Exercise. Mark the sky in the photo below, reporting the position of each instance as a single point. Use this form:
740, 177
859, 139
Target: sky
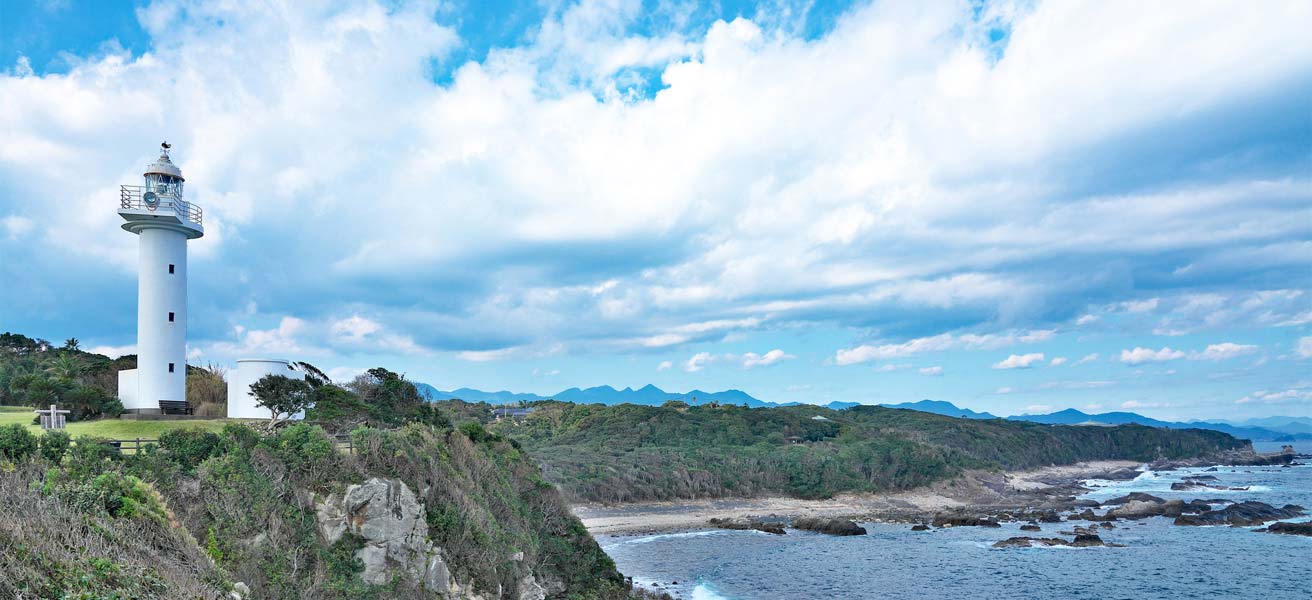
1013, 206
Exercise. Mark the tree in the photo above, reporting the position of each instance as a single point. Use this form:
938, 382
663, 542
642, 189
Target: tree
207, 391
67, 366
72, 344
283, 396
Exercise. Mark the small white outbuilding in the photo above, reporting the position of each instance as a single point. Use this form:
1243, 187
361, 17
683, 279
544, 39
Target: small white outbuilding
241, 403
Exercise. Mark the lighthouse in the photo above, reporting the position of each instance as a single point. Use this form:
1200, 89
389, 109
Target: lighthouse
163, 222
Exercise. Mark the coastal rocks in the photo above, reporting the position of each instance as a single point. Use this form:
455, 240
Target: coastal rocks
829, 526
1133, 497
1243, 514
1089, 515
920, 527
1030, 528
942, 520
1082, 540
744, 524
390, 519
1142, 509
1290, 528
1196, 484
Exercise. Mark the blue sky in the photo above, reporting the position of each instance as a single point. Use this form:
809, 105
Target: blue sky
1014, 206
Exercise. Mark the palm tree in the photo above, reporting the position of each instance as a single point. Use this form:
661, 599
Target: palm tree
72, 344
65, 366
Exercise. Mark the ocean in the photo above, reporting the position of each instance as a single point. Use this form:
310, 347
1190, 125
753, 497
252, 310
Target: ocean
1160, 560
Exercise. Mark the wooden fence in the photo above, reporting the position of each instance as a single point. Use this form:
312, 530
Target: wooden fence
341, 441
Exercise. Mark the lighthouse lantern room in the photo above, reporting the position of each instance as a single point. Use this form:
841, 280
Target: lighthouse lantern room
163, 222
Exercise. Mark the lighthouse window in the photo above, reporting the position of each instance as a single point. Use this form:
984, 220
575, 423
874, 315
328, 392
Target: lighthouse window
170, 367
170, 317
170, 269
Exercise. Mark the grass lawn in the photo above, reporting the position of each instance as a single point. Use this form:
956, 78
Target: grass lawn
112, 428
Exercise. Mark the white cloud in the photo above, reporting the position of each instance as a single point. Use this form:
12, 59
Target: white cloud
1037, 409
1304, 347
1223, 351
1146, 355
355, 327
1004, 390
664, 366
278, 342
697, 362
1058, 361
934, 371
1019, 361
16, 226
1088, 358
939, 343
113, 351
1086, 319
928, 167
1289, 396
891, 367
751, 359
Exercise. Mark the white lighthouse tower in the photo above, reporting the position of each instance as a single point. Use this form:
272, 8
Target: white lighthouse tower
163, 222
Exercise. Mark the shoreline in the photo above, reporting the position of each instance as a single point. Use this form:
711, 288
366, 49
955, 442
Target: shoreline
1046, 488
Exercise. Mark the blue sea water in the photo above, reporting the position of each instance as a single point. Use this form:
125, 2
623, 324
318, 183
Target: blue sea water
1160, 560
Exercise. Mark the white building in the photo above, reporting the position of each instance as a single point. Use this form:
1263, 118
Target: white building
241, 404
163, 222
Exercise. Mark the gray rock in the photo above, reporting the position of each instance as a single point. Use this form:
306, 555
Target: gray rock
390, 519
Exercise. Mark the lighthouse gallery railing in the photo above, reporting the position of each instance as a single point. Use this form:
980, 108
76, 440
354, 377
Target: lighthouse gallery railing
132, 197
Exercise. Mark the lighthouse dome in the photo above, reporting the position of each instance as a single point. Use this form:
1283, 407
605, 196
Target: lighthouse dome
164, 165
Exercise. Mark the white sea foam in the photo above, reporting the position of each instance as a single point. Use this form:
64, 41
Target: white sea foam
704, 592
665, 536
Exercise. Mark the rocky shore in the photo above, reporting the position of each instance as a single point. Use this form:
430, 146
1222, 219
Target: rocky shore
976, 499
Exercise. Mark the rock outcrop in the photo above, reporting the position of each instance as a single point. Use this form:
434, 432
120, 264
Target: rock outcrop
963, 521
389, 518
1290, 528
1082, 540
744, 524
1243, 514
829, 526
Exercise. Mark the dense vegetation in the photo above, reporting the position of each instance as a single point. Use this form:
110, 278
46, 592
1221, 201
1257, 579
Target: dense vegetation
202, 510
35, 373
630, 453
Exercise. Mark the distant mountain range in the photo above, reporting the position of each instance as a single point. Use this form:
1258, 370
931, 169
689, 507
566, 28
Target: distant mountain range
1264, 429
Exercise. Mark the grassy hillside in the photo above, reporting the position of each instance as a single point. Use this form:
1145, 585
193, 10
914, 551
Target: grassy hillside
112, 428
204, 510
632, 453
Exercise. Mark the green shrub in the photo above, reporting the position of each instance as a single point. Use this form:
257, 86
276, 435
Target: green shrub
111, 493
190, 447
16, 442
307, 451
91, 456
475, 432
54, 444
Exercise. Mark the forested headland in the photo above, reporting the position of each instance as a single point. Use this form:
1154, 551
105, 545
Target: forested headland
631, 453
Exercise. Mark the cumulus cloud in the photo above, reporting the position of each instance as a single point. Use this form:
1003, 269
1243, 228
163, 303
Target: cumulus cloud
1147, 355
1289, 396
1088, 358
934, 371
752, 359
1058, 361
664, 366
113, 351
1224, 351
1304, 347
1019, 361
938, 343
697, 362
522, 201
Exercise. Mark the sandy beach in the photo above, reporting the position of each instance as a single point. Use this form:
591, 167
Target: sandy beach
1047, 487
